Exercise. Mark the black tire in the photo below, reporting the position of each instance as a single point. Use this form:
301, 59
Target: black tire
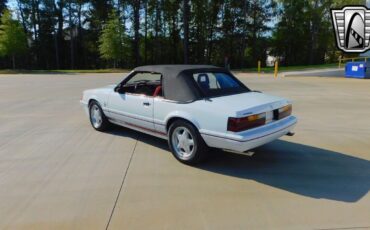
99, 126
199, 151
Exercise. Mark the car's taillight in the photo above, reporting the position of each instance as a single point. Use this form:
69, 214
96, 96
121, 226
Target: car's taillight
284, 111
244, 123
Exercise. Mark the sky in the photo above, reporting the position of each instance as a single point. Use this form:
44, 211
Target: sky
11, 4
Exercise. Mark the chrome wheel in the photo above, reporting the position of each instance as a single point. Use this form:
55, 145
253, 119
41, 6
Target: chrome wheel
96, 116
183, 143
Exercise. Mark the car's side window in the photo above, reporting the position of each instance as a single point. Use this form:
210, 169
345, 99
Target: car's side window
144, 83
214, 81
150, 77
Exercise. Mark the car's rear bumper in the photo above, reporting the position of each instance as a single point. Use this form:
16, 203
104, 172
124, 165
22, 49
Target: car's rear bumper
241, 142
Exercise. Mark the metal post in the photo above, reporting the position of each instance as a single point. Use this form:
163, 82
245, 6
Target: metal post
259, 67
276, 68
340, 61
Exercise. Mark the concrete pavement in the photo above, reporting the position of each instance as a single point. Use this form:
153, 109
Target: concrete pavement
56, 172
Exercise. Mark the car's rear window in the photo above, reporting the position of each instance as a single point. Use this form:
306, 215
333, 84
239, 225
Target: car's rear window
218, 84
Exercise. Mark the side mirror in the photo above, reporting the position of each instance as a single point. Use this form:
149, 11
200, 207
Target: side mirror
118, 89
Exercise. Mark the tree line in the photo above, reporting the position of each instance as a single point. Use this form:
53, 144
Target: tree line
91, 34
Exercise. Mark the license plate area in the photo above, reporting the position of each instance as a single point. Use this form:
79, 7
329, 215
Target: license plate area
269, 116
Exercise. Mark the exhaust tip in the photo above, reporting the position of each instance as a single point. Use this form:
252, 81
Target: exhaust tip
290, 134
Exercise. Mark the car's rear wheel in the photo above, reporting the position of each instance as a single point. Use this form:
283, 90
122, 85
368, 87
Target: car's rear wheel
97, 118
186, 144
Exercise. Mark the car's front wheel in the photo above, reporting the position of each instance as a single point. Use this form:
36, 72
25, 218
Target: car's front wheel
185, 143
97, 118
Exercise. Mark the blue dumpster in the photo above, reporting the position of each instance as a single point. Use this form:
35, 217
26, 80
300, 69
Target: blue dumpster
357, 70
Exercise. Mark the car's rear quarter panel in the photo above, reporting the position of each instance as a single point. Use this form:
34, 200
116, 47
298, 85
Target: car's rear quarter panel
199, 113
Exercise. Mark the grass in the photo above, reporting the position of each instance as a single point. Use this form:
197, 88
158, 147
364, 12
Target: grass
74, 71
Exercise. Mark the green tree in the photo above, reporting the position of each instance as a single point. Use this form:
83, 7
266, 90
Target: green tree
304, 32
13, 40
65, 33
291, 35
136, 6
259, 14
2, 6
96, 16
186, 16
171, 16
112, 42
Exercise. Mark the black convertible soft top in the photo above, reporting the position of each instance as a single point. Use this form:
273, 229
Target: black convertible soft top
177, 80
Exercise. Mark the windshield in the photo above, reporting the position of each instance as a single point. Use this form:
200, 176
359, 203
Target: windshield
218, 84
144, 77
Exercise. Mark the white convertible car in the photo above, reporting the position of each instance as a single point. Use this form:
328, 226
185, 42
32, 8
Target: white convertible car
194, 107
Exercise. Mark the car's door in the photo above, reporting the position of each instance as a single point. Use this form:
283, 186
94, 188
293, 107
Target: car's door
132, 108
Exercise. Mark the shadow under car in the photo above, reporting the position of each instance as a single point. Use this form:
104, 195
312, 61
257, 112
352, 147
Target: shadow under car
296, 168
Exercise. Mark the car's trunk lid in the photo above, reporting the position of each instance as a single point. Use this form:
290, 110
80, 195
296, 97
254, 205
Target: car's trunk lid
244, 104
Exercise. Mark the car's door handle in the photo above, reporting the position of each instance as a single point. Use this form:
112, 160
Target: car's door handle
146, 103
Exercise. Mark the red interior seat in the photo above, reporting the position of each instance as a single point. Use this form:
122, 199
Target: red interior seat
158, 91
